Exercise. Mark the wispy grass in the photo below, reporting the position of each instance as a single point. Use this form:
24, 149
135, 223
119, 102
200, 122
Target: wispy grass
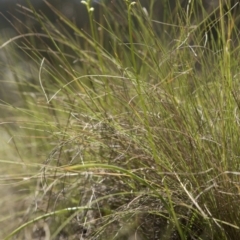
122, 134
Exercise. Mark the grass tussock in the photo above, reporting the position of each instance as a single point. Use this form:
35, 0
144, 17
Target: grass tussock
121, 134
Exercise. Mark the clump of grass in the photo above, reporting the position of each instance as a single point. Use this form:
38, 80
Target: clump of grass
125, 137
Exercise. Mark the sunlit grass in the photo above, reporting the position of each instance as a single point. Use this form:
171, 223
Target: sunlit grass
121, 134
